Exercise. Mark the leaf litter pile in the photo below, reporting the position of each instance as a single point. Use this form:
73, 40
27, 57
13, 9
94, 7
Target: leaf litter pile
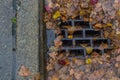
103, 15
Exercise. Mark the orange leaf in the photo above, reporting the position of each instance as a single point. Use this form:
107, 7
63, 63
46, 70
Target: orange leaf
24, 71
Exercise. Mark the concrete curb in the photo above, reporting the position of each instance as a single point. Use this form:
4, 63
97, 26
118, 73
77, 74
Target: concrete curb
27, 36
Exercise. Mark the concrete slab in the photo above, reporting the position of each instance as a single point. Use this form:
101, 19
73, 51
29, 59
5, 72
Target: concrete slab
6, 13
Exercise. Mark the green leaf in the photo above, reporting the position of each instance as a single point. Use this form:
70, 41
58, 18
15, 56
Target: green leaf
14, 20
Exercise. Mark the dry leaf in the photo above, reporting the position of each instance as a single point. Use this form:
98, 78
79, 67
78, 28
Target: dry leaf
106, 34
56, 15
24, 71
79, 62
93, 2
53, 49
71, 72
71, 30
109, 24
70, 36
117, 51
103, 46
118, 12
49, 25
84, 45
118, 58
89, 50
58, 42
54, 77
78, 75
57, 31
37, 76
88, 61
53, 55
97, 75
49, 67
98, 26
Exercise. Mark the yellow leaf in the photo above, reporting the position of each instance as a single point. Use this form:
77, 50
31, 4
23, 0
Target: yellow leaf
88, 61
118, 12
82, 12
70, 36
56, 15
89, 50
74, 59
83, 45
109, 24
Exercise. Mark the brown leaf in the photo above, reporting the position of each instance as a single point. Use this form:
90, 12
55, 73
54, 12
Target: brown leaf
37, 76
71, 72
106, 34
24, 71
54, 77
53, 55
103, 46
58, 42
118, 58
98, 26
71, 30
96, 75
49, 67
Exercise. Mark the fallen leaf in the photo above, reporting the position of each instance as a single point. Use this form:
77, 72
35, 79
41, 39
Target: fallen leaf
71, 30
97, 75
56, 15
89, 50
103, 46
37, 76
49, 67
54, 77
106, 34
78, 75
70, 36
98, 26
84, 45
58, 42
109, 24
53, 49
88, 61
24, 71
79, 62
118, 12
118, 58
53, 55
71, 72
93, 2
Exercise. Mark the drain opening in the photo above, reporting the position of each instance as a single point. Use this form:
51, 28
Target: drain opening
93, 33
82, 24
78, 34
81, 43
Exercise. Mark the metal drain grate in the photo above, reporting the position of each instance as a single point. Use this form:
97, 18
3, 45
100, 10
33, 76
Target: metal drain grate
84, 34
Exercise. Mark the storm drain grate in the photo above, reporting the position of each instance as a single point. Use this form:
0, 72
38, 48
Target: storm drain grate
83, 35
